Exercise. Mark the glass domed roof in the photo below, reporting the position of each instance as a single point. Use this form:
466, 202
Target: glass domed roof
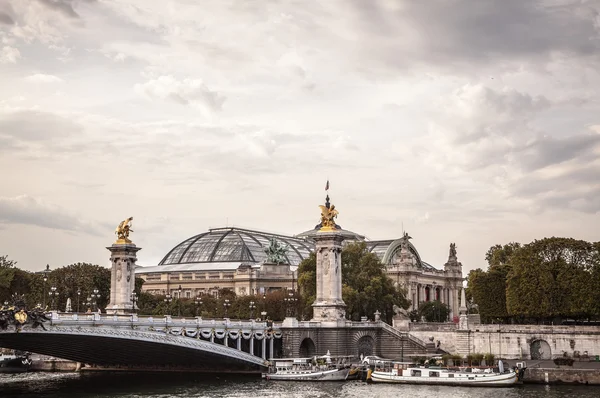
235, 244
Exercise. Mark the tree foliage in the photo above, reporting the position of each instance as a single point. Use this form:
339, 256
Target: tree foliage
366, 288
434, 311
546, 280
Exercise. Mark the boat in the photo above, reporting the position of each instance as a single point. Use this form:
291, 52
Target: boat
403, 373
14, 363
317, 368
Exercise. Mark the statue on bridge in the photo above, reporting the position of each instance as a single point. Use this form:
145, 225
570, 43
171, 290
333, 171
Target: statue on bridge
123, 230
328, 215
17, 316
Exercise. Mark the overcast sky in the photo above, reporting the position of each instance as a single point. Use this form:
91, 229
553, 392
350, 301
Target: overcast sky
475, 122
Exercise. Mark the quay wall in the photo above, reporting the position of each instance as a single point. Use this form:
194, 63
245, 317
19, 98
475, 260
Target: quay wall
54, 365
513, 341
562, 376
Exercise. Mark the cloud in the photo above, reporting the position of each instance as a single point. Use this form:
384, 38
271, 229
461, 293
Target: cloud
6, 19
64, 7
191, 92
27, 210
9, 55
34, 125
43, 78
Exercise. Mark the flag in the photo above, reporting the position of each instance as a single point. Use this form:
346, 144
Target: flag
327, 186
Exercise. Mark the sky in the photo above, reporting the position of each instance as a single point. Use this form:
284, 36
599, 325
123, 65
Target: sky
453, 120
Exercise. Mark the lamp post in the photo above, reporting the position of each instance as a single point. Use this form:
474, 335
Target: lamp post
53, 293
88, 303
290, 302
168, 298
46, 271
226, 304
198, 302
95, 297
133, 300
263, 315
78, 297
179, 290
252, 307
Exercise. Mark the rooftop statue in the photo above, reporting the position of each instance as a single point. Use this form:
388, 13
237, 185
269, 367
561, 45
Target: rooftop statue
452, 250
123, 231
276, 252
328, 215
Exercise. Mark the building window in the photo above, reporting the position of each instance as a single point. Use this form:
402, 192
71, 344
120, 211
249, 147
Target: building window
188, 294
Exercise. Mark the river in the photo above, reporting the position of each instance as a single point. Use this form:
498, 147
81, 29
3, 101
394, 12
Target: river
123, 385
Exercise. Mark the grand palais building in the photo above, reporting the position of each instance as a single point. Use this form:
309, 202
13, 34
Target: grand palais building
236, 259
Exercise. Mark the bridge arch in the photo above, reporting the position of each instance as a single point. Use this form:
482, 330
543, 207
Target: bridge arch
307, 348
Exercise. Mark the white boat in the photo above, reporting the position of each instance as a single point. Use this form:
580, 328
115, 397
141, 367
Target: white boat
413, 374
318, 368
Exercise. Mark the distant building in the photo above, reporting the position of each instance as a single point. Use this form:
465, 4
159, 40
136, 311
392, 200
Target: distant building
236, 259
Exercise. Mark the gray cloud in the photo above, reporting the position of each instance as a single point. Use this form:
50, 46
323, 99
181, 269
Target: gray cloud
27, 210
476, 32
552, 151
33, 125
64, 7
6, 19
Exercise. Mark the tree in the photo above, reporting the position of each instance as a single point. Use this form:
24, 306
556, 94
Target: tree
366, 288
434, 311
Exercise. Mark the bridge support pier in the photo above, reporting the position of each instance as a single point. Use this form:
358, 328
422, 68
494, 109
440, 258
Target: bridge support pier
122, 277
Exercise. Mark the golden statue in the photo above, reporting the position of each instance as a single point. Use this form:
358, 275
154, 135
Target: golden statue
328, 214
21, 317
123, 231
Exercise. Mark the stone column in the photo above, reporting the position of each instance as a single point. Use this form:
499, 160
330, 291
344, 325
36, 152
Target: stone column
329, 305
122, 277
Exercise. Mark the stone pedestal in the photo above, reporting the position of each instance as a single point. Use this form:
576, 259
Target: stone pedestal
122, 277
329, 305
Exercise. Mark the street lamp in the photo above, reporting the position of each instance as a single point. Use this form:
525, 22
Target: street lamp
198, 302
168, 298
78, 296
88, 303
226, 304
290, 304
133, 300
252, 307
95, 297
263, 315
46, 271
53, 293
179, 301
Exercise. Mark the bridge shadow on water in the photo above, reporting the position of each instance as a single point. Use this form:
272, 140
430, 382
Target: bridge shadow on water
122, 384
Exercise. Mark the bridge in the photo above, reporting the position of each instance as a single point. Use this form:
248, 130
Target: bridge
150, 343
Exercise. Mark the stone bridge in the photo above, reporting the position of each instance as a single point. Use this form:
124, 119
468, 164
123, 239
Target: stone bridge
135, 342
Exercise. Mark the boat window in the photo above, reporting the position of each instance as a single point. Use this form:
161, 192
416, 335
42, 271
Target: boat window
434, 374
451, 375
416, 373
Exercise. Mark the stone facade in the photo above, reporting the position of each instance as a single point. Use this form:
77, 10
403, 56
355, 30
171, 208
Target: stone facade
122, 278
329, 305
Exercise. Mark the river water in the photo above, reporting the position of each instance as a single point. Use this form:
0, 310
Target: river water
124, 385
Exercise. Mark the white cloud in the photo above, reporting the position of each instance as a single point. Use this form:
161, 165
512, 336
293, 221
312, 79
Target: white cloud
184, 92
9, 54
43, 78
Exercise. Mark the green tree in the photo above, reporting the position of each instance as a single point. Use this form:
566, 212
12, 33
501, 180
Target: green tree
552, 278
7, 273
366, 288
434, 311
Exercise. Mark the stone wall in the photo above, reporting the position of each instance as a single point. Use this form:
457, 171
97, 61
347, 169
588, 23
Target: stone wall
512, 341
562, 375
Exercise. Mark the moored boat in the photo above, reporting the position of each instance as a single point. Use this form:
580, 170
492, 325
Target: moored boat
412, 374
318, 368
14, 363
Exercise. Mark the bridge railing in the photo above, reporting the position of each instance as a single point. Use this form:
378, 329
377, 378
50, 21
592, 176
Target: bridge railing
97, 319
